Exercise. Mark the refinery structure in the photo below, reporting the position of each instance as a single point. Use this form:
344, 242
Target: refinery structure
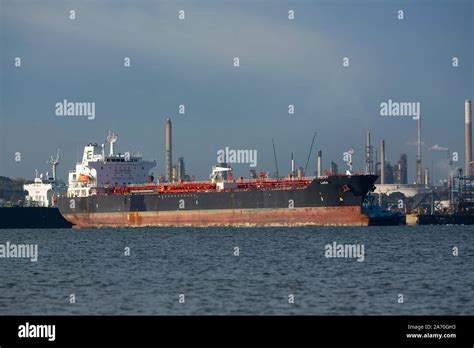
424, 198
452, 195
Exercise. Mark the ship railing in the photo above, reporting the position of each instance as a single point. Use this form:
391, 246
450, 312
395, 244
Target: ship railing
237, 180
205, 186
145, 184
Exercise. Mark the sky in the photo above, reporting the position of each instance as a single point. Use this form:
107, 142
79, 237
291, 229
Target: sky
190, 62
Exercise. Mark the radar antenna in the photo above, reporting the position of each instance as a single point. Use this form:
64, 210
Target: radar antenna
111, 139
54, 163
350, 152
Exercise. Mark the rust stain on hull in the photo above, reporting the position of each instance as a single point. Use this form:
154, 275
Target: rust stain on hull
320, 216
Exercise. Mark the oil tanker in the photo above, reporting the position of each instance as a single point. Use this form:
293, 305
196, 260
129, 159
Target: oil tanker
115, 190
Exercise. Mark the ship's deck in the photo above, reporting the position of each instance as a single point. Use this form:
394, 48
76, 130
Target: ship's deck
212, 187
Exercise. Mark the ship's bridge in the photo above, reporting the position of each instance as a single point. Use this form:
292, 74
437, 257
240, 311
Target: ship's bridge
97, 170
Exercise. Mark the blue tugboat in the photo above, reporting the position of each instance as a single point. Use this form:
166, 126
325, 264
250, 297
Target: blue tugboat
380, 217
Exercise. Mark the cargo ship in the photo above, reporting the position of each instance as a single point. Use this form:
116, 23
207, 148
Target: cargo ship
115, 190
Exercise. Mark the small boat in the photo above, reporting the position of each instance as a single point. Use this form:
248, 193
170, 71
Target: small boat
381, 217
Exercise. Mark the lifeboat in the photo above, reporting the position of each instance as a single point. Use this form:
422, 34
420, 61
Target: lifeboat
84, 178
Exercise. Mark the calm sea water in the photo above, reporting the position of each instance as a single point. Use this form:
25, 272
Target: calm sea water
416, 262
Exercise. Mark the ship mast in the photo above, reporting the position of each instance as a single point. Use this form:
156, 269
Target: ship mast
54, 163
309, 155
275, 156
350, 152
111, 139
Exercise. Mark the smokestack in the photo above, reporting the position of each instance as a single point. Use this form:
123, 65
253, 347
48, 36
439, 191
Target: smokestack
368, 156
467, 110
320, 159
382, 162
168, 151
292, 165
419, 170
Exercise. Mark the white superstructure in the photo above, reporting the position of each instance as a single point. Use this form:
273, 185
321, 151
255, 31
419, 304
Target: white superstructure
43, 188
38, 193
96, 170
223, 178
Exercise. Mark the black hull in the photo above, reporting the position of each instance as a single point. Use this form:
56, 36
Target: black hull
328, 192
446, 219
343, 194
32, 217
393, 220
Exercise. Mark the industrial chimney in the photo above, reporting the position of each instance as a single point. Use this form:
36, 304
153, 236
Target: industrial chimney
292, 166
382, 162
369, 167
320, 158
467, 110
419, 169
168, 151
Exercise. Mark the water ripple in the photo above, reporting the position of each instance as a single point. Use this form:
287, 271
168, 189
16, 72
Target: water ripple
416, 262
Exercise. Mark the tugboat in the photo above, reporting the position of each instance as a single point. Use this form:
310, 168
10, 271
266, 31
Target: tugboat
37, 211
380, 217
